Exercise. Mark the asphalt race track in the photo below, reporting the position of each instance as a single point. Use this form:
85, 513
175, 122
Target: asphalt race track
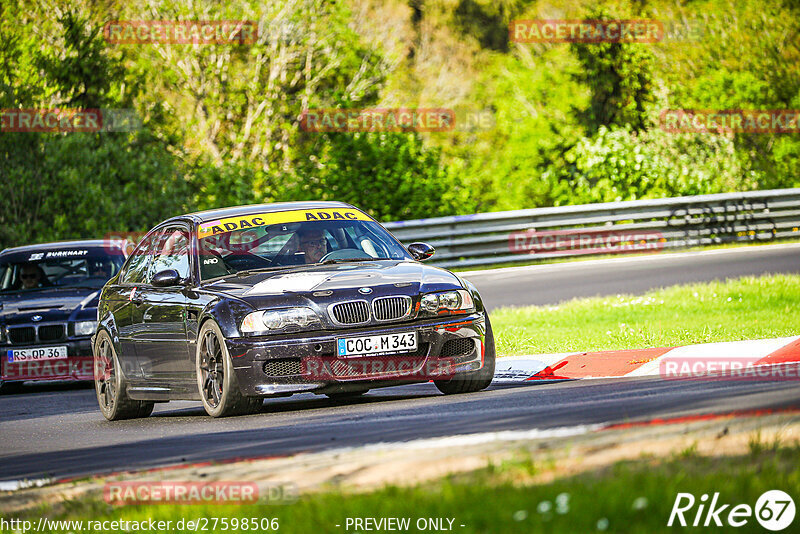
552, 283
57, 430
62, 434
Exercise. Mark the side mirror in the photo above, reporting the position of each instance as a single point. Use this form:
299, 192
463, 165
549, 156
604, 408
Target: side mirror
166, 278
420, 251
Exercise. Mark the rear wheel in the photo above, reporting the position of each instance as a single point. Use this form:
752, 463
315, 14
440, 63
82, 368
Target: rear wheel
111, 386
216, 379
474, 380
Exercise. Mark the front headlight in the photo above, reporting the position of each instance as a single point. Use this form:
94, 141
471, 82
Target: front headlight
266, 321
459, 301
85, 328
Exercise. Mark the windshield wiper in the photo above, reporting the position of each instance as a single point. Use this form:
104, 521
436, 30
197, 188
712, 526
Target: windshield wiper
350, 260
248, 272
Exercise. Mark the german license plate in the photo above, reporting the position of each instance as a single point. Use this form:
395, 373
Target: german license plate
37, 354
380, 344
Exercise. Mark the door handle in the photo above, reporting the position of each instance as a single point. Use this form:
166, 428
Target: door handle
136, 297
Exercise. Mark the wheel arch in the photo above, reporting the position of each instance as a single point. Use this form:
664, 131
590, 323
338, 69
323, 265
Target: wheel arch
476, 296
109, 326
226, 313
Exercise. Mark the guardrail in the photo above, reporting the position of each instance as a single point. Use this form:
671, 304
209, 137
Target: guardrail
607, 228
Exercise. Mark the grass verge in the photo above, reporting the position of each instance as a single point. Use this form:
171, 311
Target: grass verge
630, 496
744, 308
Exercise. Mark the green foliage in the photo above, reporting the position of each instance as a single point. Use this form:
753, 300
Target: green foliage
617, 164
75, 185
530, 98
746, 56
393, 175
569, 123
86, 186
486, 21
620, 77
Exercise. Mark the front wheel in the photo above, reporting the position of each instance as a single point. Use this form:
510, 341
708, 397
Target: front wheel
216, 379
111, 386
475, 380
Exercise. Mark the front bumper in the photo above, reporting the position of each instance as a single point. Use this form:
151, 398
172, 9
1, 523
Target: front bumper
78, 365
272, 365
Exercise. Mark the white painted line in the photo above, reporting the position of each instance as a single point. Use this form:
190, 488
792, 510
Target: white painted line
14, 485
475, 439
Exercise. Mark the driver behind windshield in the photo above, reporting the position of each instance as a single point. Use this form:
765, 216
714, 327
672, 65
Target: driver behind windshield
312, 244
31, 276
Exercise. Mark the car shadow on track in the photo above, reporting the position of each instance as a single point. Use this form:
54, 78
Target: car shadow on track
286, 405
17, 388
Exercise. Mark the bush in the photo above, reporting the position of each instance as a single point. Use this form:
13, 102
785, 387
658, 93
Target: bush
391, 175
617, 164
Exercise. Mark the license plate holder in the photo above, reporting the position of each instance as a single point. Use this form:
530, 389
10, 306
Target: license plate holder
376, 344
36, 354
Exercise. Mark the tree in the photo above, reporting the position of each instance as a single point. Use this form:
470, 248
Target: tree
74, 185
620, 77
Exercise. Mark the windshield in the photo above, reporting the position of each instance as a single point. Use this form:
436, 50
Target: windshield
58, 268
301, 237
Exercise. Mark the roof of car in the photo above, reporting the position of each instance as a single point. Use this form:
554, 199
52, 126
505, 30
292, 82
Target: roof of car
211, 215
85, 243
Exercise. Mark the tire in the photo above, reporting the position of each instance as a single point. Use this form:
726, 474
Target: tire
216, 379
110, 384
475, 380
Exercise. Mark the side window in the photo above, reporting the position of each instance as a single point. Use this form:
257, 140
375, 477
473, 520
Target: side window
172, 251
137, 271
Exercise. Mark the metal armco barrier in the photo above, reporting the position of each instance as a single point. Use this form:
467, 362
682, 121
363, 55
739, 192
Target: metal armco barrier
607, 228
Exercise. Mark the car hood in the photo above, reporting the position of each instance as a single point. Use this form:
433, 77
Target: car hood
55, 304
405, 277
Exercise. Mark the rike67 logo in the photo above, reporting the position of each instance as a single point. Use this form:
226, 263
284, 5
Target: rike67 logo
774, 510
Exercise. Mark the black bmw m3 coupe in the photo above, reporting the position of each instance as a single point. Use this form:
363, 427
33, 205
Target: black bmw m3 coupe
234, 305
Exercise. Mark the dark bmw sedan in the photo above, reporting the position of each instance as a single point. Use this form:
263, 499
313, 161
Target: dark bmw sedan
234, 305
48, 308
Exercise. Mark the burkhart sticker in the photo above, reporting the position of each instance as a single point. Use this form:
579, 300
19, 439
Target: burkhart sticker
232, 224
